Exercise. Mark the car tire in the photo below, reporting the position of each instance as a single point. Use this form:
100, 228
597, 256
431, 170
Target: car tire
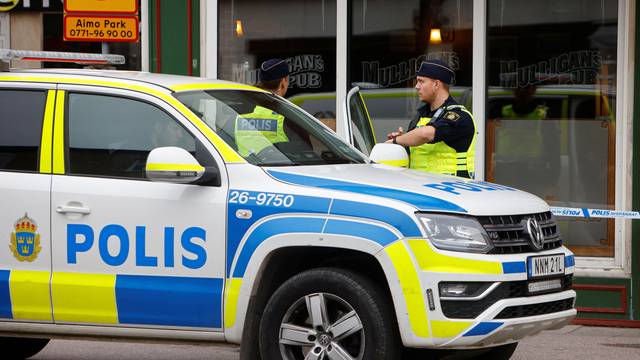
349, 313
502, 352
21, 348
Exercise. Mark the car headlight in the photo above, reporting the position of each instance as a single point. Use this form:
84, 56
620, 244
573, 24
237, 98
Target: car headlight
455, 233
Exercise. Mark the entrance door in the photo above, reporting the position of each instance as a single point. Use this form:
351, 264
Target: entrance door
128, 251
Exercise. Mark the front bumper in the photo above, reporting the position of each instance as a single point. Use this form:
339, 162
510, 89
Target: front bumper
495, 318
488, 330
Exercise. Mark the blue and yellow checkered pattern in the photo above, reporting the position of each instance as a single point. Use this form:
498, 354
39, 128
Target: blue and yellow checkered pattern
111, 299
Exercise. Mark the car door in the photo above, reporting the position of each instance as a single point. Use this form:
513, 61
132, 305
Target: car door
26, 119
128, 251
359, 128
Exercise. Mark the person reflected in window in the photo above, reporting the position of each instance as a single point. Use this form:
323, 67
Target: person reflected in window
523, 142
441, 136
527, 148
264, 127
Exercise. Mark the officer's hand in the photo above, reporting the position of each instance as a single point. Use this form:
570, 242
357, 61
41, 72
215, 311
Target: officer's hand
394, 134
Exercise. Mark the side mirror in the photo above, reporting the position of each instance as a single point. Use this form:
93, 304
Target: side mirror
390, 154
174, 165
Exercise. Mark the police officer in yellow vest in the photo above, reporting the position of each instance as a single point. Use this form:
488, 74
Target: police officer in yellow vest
524, 141
441, 136
263, 127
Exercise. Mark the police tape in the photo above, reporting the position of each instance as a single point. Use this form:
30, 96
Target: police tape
594, 213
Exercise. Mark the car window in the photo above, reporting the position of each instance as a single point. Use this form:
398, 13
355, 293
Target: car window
267, 130
112, 136
21, 114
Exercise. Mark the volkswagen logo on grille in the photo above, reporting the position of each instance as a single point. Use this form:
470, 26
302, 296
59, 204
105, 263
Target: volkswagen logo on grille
535, 233
324, 340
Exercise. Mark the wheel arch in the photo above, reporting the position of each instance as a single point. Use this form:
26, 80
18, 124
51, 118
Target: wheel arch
280, 264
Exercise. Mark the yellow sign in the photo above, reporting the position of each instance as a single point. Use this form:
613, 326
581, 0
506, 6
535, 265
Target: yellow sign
100, 28
102, 6
6, 5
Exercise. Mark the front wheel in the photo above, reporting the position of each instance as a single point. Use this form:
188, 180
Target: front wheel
21, 348
328, 314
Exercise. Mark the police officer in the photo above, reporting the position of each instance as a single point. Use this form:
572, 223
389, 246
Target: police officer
524, 141
274, 76
441, 136
263, 127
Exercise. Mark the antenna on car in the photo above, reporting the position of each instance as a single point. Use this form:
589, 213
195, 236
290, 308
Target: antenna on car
57, 56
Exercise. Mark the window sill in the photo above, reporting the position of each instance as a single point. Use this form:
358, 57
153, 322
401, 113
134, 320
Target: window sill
599, 268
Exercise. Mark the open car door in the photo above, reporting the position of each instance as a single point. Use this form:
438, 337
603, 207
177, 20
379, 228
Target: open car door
359, 128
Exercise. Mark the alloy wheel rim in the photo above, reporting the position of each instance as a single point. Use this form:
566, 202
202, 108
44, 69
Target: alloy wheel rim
321, 326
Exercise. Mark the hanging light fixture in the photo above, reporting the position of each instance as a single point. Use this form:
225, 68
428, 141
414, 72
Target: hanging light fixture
435, 36
239, 29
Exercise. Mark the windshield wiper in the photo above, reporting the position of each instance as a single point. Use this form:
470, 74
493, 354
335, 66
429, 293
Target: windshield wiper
282, 164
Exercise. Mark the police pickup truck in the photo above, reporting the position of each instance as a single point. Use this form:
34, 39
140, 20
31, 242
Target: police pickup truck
129, 213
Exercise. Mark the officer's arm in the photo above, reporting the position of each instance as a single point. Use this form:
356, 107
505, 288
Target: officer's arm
416, 137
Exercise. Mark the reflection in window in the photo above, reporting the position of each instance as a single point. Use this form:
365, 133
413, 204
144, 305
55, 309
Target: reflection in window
550, 128
387, 50
303, 32
112, 136
21, 124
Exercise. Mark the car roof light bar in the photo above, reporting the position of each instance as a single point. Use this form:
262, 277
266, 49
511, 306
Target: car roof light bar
56, 56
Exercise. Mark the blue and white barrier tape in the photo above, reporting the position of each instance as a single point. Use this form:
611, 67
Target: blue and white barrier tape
594, 213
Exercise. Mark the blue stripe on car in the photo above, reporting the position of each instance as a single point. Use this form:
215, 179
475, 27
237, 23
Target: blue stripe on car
514, 267
5, 296
401, 221
238, 227
483, 328
422, 202
372, 232
270, 228
569, 261
277, 226
166, 300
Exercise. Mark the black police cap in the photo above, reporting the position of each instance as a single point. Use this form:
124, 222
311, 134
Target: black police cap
436, 69
273, 69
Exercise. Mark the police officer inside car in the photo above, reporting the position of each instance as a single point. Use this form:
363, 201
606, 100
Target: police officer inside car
274, 76
263, 127
441, 136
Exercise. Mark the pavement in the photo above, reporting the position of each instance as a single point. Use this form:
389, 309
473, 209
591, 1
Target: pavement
573, 342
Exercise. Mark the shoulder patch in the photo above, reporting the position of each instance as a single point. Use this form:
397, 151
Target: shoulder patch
452, 116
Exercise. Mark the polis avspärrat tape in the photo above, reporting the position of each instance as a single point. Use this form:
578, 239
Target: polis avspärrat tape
594, 213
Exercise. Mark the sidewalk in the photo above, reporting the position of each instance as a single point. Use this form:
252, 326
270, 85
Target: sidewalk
581, 343
573, 342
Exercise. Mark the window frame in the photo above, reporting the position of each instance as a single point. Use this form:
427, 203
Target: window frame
214, 156
618, 266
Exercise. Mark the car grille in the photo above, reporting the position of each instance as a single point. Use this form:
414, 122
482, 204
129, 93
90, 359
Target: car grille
536, 309
465, 309
508, 236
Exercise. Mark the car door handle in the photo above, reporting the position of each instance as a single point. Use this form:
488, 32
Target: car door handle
66, 209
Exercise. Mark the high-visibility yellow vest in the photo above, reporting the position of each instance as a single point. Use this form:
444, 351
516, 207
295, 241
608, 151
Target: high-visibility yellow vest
522, 140
441, 158
258, 130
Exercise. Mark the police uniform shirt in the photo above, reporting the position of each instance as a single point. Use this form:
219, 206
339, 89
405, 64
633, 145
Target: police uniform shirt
454, 127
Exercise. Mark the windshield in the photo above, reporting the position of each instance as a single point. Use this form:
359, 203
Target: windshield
267, 130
